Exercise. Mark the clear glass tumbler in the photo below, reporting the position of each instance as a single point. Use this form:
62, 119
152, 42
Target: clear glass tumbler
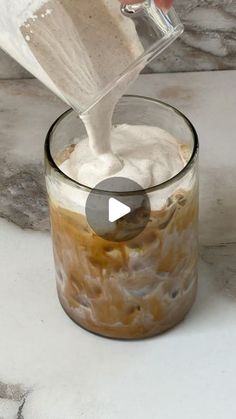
137, 288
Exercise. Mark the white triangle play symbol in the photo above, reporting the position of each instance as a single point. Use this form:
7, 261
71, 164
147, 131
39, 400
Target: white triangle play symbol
117, 210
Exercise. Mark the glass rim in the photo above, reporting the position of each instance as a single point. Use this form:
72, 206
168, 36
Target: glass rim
149, 190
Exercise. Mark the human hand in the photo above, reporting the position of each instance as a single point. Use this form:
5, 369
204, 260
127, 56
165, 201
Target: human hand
163, 4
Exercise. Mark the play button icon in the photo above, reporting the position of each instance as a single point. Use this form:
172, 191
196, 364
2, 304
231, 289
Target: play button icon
118, 209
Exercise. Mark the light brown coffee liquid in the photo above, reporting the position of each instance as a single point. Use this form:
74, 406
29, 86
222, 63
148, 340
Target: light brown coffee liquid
133, 289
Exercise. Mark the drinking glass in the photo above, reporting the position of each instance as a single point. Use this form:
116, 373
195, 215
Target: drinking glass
143, 286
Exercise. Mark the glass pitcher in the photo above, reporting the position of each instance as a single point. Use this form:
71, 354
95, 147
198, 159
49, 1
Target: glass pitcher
82, 49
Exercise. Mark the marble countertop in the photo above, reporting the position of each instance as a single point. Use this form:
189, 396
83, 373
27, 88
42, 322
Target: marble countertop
52, 369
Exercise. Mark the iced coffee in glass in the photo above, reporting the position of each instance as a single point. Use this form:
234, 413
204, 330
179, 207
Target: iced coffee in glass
145, 284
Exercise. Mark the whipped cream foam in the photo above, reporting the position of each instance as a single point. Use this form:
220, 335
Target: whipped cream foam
148, 155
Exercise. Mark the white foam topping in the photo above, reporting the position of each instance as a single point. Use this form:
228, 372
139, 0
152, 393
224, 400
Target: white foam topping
147, 155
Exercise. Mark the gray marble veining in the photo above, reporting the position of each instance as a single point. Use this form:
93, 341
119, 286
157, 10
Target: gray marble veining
23, 198
209, 41
14, 398
26, 112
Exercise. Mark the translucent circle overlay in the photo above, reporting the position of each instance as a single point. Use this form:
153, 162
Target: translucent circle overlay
98, 209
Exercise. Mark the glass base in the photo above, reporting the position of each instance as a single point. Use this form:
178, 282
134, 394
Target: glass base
173, 318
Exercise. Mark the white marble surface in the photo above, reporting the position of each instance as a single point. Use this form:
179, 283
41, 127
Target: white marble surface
52, 369
209, 40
